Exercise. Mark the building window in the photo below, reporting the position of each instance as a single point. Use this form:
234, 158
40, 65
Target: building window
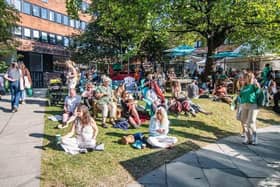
83, 25
18, 31
66, 42
8, 2
84, 6
65, 20
35, 11
72, 23
59, 40
51, 15
44, 37
26, 8
44, 13
26, 33
17, 4
52, 39
77, 24
58, 18
36, 34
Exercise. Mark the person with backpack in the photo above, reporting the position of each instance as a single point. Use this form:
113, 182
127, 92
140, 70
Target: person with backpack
249, 108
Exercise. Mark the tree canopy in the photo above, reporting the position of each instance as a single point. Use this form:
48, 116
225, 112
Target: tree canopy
8, 19
213, 21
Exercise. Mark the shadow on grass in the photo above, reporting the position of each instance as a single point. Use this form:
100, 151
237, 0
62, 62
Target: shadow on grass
269, 121
139, 166
219, 133
52, 141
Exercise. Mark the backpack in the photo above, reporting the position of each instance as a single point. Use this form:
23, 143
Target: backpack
122, 124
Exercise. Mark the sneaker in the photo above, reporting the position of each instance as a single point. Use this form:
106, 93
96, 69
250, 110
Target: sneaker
104, 125
14, 110
23, 102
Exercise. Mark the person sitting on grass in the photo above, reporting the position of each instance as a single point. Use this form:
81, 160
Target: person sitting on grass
85, 129
70, 104
158, 130
129, 110
220, 93
152, 96
88, 95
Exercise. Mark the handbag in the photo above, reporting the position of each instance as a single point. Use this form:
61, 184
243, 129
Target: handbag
26, 82
29, 92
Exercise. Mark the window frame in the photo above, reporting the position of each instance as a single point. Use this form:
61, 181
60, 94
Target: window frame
47, 13
39, 10
20, 28
49, 17
25, 36
23, 8
52, 40
41, 37
56, 18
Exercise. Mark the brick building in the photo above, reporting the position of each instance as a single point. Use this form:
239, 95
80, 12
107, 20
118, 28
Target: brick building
44, 32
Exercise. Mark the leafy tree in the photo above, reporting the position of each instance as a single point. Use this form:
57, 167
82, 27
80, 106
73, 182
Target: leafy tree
217, 20
8, 20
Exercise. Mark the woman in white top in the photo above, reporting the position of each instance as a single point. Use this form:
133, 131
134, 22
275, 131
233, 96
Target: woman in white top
85, 129
158, 130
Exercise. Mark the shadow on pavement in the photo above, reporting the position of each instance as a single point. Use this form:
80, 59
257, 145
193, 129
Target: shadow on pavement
51, 139
36, 102
226, 163
5, 110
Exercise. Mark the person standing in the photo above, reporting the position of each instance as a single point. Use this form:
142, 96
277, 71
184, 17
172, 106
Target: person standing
249, 108
72, 75
25, 81
13, 76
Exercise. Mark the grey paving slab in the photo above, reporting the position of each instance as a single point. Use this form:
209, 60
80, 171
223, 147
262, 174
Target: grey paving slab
180, 174
265, 182
190, 158
30, 180
226, 177
155, 177
211, 159
20, 160
226, 163
254, 167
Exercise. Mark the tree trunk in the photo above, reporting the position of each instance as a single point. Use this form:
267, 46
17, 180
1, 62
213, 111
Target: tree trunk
209, 61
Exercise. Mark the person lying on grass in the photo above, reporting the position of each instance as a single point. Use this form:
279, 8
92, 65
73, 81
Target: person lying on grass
85, 129
158, 130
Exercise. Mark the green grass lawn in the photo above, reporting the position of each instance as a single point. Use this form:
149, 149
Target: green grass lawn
121, 164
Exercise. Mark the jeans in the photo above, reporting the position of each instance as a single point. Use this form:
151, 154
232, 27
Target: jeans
22, 95
15, 94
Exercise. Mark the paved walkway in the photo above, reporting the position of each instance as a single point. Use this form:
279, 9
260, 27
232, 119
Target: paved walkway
225, 163
20, 133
